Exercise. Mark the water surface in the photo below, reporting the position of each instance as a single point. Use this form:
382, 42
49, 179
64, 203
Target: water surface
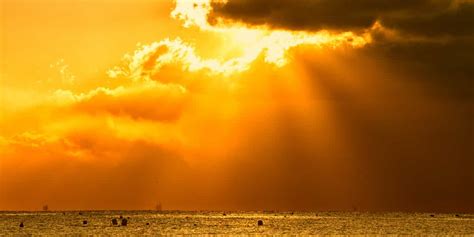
238, 223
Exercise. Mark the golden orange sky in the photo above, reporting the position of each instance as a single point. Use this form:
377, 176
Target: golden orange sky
120, 104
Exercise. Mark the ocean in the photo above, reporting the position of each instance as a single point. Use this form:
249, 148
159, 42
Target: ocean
234, 223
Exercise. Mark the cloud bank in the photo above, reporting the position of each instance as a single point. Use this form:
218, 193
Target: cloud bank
432, 18
328, 105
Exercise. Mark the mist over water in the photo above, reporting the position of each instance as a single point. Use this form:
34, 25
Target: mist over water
234, 223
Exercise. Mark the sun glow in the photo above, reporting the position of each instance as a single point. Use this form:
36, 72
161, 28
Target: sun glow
258, 40
273, 44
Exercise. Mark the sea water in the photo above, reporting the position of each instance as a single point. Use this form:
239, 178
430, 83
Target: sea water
234, 223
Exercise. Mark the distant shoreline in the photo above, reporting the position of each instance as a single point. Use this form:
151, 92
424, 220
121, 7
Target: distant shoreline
234, 211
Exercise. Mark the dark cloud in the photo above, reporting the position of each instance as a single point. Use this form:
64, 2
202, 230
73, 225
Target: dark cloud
456, 21
425, 17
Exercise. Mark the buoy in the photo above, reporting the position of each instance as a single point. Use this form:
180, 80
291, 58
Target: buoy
259, 222
147, 223
114, 222
21, 225
121, 217
84, 222
432, 215
124, 222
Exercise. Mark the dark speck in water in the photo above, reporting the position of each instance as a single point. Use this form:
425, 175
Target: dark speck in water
124, 222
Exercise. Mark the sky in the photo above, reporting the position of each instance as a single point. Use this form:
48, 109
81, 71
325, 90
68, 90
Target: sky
307, 105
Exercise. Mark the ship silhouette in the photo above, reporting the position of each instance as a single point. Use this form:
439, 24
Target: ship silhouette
158, 207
